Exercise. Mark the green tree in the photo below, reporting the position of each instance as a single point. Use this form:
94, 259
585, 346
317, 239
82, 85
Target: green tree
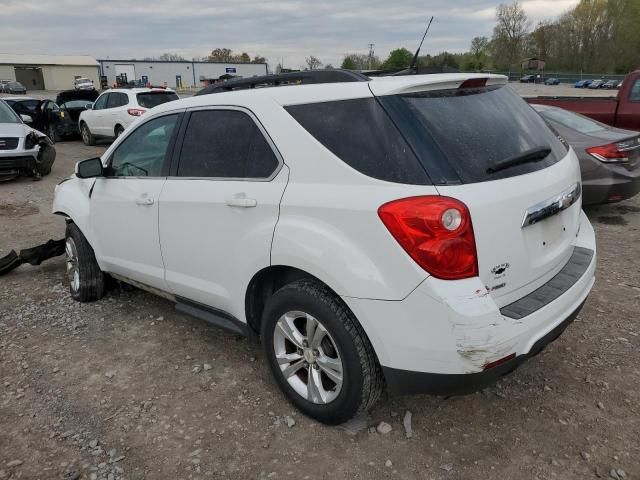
398, 59
509, 34
348, 63
359, 61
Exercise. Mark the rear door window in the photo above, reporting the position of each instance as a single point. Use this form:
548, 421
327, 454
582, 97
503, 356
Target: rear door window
153, 99
362, 135
225, 144
473, 130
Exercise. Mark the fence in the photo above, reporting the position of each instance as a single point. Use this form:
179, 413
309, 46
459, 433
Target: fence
569, 78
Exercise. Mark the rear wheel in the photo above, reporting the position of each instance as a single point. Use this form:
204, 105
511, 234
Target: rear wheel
86, 280
319, 353
87, 137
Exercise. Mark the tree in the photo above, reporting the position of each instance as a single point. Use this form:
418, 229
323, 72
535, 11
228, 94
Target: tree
509, 34
221, 55
259, 59
313, 63
398, 59
243, 58
358, 61
479, 46
171, 57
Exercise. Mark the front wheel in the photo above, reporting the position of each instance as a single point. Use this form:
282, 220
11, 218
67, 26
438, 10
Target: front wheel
87, 137
319, 353
85, 279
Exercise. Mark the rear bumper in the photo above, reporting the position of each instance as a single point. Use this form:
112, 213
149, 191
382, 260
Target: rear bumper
610, 190
441, 337
408, 382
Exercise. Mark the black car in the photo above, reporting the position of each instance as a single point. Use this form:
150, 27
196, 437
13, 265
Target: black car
60, 119
57, 119
528, 79
609, 157
13, 88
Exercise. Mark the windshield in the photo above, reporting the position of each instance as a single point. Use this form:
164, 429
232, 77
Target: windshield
153, 99
572, 120
30, 105
473, 130
7, 115
75, 104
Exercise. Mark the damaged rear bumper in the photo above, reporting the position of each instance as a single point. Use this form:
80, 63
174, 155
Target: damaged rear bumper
408, 382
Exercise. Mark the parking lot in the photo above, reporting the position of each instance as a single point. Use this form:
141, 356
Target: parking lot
128, 388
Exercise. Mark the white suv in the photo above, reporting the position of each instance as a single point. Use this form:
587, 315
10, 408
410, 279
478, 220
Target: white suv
420, 232
116, 109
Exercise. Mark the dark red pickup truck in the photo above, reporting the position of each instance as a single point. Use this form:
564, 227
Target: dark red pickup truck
622, 111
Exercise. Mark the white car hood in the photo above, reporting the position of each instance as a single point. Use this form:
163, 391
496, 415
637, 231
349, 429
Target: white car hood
14, 130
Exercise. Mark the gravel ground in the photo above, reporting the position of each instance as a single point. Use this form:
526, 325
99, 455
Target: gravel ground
128, 388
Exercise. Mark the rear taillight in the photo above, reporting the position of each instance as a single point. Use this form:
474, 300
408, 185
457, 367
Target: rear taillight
136, 112
436, 232
615, 152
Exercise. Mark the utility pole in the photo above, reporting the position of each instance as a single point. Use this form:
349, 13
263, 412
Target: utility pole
371, 45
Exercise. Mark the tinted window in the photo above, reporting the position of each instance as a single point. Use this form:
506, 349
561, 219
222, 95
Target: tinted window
143, 152
225, 144
117, 99
153, 99
28, 106
101, 101
361, 134
475, 129
635, 92
571, 120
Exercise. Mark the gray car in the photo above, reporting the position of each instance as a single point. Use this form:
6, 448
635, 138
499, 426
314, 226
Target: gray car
13, 88
609, 156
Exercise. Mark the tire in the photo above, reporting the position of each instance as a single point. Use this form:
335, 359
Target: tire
118, 130
86, 280
344, 344
52, 133
87, 137
46, 157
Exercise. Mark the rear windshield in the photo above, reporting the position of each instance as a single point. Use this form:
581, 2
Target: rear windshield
473, 130
153, 99
571, 120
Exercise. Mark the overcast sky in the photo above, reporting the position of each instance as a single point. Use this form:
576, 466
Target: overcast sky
289, 30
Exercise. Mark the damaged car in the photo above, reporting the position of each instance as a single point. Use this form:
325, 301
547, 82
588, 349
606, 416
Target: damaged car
419, 233
23, 150
60, 119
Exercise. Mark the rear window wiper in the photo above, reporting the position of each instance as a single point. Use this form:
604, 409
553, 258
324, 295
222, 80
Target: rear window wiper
534, 155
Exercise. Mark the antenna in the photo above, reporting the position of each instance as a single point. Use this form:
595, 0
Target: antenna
412, 67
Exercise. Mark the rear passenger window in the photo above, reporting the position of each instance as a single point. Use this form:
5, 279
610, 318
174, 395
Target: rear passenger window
225, 144
360, 133
117, 99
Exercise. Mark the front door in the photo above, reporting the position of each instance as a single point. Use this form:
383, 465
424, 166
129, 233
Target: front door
219, 208
124, 203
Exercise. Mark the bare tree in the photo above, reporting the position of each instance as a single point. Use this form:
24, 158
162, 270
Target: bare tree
479, 47
313, 63
171, 57
510, 33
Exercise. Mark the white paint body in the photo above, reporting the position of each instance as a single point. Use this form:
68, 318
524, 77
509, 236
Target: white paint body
319, 215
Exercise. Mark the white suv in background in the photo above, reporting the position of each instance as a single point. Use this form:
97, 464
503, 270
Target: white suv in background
115, 109
423, 233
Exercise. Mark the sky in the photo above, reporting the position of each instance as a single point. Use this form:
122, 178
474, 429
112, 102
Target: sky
282, 31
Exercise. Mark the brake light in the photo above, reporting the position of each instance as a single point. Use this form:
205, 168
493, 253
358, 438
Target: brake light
136, 112
615, 152
474, 83
436, 232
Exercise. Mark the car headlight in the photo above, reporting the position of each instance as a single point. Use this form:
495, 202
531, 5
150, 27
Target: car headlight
31, 140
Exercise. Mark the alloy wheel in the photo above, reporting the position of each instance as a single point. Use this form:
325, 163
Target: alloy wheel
308, 357
73, 270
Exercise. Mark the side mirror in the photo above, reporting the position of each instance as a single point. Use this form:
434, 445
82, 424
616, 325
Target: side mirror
26, 119
89, 106
90, 168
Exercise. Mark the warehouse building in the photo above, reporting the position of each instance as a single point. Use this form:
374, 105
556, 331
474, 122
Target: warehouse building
181, 74
47, 72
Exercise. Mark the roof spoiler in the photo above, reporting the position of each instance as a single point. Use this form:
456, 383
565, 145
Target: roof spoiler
290, 78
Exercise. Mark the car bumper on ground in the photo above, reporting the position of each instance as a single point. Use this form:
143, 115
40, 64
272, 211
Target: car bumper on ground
464, 341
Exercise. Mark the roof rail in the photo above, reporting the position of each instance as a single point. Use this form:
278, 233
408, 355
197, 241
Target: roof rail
291, 78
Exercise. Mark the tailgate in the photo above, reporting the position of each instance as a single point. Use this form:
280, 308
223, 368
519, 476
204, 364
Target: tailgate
514, 256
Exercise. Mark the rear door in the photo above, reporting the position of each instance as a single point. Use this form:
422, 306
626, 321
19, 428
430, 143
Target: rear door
479, 145
219, 208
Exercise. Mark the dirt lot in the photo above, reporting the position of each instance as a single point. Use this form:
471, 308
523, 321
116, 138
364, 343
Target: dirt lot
128, 388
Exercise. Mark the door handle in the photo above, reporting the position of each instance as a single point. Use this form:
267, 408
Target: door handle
144, 200
242, 202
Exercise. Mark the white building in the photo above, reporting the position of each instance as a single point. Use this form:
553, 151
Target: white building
176, 74
47, 72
